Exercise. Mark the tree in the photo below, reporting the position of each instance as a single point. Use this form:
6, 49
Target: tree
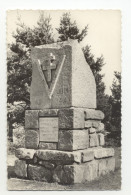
114, 127
19, 65
69, 29
116, 101
116, 87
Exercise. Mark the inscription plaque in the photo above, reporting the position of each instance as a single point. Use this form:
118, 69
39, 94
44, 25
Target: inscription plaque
48, 127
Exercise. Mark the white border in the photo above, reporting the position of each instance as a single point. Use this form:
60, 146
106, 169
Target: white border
125, 7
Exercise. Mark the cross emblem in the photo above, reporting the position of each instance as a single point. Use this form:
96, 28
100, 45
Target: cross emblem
50, 66
50, 87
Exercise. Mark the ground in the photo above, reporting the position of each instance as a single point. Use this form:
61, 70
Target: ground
111, 181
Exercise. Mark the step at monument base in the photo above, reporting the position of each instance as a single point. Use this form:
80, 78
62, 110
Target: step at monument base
63, 167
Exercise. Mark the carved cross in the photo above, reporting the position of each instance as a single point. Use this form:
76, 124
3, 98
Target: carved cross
49, 66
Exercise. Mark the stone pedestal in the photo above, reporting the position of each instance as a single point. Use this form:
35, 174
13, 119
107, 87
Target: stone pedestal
64, 129
64, 135
64, 167
64, 146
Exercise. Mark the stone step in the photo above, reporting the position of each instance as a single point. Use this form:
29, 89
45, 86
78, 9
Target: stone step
94, 114
65, 157
66, 174
100, 152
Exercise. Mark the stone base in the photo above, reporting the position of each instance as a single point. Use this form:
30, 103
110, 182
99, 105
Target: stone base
64, 167
66, 129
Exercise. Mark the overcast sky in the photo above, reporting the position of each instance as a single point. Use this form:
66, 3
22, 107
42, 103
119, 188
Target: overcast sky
104, 34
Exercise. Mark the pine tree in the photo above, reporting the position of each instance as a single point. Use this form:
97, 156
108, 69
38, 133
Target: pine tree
114, 126
69, 29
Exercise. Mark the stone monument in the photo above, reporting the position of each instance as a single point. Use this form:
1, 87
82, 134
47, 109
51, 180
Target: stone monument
64, 135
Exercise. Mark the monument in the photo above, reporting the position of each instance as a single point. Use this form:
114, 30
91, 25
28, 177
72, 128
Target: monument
64, 135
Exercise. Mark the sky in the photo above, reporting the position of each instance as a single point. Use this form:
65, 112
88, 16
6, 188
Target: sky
104, 33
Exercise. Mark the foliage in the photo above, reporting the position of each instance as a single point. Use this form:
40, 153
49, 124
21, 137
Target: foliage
116, 87
116, 106
38, 35
114, 126
19, 65
116, 101
69, 29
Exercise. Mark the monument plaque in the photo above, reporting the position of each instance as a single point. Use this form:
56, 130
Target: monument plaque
48, 127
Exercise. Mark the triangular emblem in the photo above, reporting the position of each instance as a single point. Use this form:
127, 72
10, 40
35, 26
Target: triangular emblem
45, 69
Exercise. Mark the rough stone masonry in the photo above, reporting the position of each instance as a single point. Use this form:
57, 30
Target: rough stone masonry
64, 139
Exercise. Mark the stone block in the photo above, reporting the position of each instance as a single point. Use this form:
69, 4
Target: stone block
92, 130
110, 164
100, 127
102, 167
93, 140
11, 172
102, 152
39, 173
87, 155
69, 174
86, 172
95, 123
63, 82
105, 166
47, 164
92, 123
91, 170
11, 166
23, 153
88, 124
73, 140
31, 119
55, 155
49, 146
51, 88
71, 118
31, 139
20, 168
19, 137
83, 82
101, 139
48, 112
94, 114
